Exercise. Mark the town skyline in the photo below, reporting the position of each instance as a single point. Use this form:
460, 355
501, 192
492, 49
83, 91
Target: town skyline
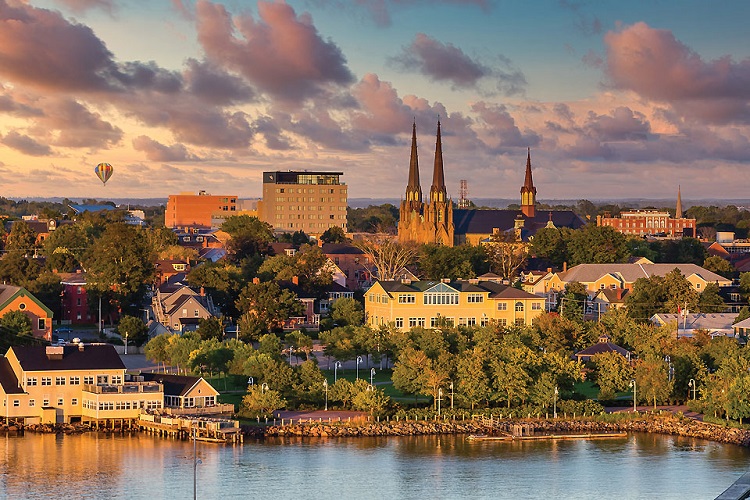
615, 101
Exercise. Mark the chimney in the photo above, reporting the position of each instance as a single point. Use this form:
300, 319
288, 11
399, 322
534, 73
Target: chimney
203, 292
256, 281
565, 266
295, 280
549, 269
54, 352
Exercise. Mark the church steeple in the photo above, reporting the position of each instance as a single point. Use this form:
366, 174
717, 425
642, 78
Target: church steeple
678, 210
437, 191
528, 191
413, 188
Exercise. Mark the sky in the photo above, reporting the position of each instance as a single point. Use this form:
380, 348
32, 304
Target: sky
614, 99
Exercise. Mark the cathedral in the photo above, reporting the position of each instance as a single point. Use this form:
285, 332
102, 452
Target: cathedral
436, 221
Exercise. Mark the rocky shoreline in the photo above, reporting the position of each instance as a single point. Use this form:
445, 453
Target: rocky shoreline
654, 424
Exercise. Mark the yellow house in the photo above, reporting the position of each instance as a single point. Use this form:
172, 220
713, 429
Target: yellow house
187, 395
428, 304
68, 384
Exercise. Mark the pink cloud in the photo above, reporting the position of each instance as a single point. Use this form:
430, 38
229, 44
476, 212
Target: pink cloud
653, 63
25, 144
281, 53
380, 10
155, 151
81, 6
501, 129
622, 124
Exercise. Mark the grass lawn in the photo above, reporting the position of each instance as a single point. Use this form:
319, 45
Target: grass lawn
587, 388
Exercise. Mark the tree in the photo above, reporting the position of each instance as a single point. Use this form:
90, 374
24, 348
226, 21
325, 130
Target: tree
264, 307
552, 244
597, 245
719, 266
473, 384
249, 237
370, 399
669, 293
212, 356
16, 323
210, 328
573, 301
21, 238
221, 280
409, 372
440, 261
179, 348
652, 381
709, 301
388, 256
308, 266
507, 253
613, 374
334, 234
260, 401
510, 380
156, 349
347, 311
120, 261
133, 329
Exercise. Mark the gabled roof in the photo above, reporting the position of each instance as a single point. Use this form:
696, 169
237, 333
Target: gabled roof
485, 221
602, 347
8, 378
495, 290
616, 296
745, 323
340, 249
587, 273
174, 385
92, 357
10, 292
700, 321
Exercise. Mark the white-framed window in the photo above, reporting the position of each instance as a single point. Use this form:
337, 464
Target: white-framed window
102, 379
45, 402
31, 381
407, 298
74, 402
416, 322
88, 379
75, 380
59, 380
31, 403
474, 298
399, 322
519, 322
519, 306
502, 306
502, 322
116, 379
60, 402
46, 380
16, 402
536, 306
440, 298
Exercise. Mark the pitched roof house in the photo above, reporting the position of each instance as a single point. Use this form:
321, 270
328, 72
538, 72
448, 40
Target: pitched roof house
16, 298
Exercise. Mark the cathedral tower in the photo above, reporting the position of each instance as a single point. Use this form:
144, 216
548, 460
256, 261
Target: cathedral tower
528, 191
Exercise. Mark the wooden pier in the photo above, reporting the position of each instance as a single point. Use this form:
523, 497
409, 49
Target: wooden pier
213, 430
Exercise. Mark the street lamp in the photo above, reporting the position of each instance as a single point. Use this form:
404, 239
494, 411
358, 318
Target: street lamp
439, 398
692, 384
250, 381
372, 374
336, 367
263, 387
669, 367
126, 342
291, 350
325, 385
451, 388
554, 406
635, 394
359, 360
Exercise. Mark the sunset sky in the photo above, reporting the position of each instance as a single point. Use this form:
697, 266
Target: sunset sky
615, 99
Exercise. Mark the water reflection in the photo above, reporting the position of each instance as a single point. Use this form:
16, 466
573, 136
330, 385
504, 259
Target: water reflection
144, 467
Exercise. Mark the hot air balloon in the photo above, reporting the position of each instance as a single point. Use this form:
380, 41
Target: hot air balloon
104, 172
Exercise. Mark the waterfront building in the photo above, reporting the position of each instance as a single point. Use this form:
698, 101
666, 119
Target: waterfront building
436, 221
303, 201
187, 395
429, 304
69, 384
16, 298
687, 324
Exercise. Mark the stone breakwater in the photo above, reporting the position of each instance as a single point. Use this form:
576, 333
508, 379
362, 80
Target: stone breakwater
669, 425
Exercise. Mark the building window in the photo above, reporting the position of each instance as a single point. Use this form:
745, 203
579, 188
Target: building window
46, 380
601, 286
116, 379
519, 322
484, 321
22, 306
502, 322
502, 306
536, 306
59, 380
16, 402
45, 402
697, 286
60, 402
75, 380
407, 298
399, 322
74, 402
474, 298
102, 379
31, 403
88, 379
519, 306
31, 381
440, 298
416, 322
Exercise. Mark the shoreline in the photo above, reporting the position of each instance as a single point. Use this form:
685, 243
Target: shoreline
650, 424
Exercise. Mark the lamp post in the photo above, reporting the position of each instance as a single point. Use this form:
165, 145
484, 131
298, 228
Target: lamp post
126, 342
635, 394
336, 367
250, 381
669, 367
372, 374
291, 350
325, 385
439, 398
692, 384
451, 388
359, 360
263, 388
554, 406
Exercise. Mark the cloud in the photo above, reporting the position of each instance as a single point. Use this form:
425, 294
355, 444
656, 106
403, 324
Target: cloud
25, 144
76, 126
622, 124
81, 6
500, 127
281, 53
379, 11
654, 64
155, 151
214, 85
440, 62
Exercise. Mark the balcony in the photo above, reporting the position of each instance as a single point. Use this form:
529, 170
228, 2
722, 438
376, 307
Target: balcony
126, 388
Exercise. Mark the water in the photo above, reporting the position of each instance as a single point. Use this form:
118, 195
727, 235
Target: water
95, 466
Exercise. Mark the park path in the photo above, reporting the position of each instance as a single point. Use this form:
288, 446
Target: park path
671, 408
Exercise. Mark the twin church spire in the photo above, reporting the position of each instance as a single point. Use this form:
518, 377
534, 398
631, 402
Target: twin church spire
438, 192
